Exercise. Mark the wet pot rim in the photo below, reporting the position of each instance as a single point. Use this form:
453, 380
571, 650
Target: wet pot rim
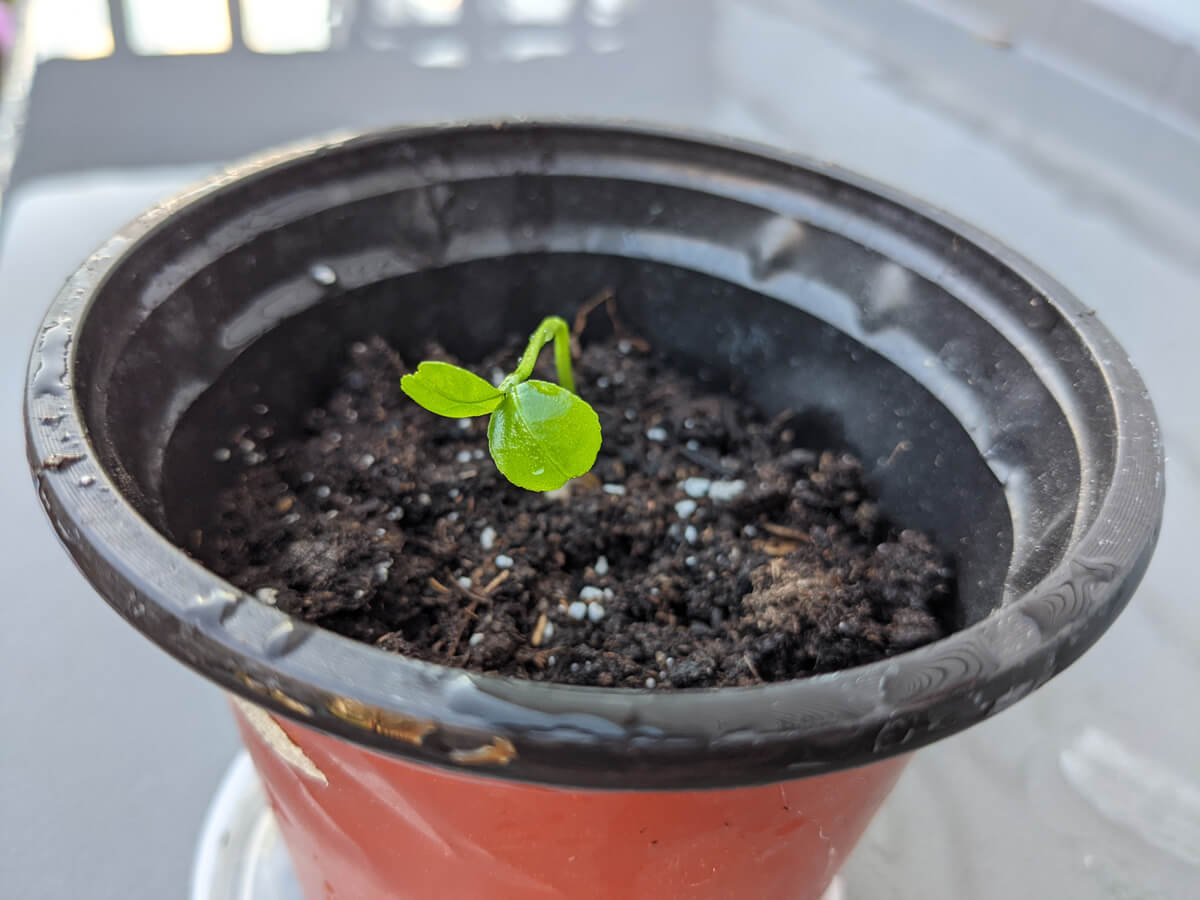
576, 736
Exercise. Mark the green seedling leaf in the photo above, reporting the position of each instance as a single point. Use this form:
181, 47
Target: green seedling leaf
450, 391
542, 435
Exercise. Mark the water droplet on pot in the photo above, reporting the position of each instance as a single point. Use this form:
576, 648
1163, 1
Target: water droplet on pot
891, 288
213, 608
283, 639
323, 274
1040, 315
774, 245
50, 379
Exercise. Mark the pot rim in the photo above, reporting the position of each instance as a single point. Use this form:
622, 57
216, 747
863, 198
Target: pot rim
579, 736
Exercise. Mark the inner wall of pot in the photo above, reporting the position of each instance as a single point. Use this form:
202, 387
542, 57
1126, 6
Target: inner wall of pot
926, 470
934, 363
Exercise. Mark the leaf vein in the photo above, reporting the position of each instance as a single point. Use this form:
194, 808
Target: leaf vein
533, 436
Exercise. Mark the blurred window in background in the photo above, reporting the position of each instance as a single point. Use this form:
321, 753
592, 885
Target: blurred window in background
71, 29
286, 26
178, 27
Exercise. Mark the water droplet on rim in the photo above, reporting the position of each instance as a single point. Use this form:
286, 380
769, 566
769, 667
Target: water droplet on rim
52, 371
323, 274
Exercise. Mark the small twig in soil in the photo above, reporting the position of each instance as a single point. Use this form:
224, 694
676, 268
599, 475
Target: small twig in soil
496, 582
608, 297
777, 548
783, 531
538, 658
462, 629
581, 316
476, 597
539, 631
438, 586
753, 668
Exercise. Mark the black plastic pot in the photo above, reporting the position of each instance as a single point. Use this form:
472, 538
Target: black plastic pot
990, 406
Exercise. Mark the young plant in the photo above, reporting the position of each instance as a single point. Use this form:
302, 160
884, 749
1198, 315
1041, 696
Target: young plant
540, 435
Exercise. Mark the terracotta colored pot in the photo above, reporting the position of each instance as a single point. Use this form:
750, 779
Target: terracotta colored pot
991, 408
360, 824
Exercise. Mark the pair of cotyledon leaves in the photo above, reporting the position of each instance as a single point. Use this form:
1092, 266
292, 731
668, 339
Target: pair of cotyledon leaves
540, 435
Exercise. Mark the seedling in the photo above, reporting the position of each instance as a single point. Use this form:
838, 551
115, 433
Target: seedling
541, 435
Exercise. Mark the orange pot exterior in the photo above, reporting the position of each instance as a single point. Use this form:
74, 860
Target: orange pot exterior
379, 828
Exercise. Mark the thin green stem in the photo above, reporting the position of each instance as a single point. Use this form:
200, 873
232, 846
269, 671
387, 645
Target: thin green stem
553, 328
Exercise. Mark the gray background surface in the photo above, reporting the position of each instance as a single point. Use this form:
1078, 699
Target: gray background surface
109, 751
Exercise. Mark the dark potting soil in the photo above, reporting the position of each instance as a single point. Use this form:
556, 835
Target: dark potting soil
708, 546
